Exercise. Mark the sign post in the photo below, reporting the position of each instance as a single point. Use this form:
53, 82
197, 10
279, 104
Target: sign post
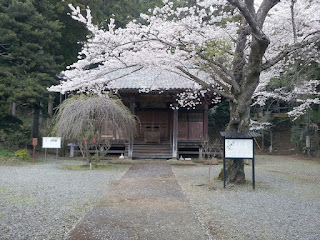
51, 142
34, 144
238, 145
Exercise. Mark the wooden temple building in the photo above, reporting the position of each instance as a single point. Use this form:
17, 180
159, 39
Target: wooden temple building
163, 129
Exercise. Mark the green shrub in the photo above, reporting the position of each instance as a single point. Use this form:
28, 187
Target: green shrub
23, 154
95, 158
6, 153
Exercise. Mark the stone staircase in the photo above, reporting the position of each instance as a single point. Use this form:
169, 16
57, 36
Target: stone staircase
151, 151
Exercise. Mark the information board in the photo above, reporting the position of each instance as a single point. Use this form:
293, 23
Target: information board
239, 148
51, 142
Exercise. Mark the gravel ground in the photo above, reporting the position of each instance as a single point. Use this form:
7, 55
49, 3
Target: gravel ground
45, 200
285, 204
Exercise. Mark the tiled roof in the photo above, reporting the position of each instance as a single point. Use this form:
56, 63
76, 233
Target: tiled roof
239, 134
153, 79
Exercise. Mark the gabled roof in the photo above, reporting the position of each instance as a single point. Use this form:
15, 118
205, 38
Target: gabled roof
146, 78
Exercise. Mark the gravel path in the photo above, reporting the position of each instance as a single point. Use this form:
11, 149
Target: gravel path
147, 204
285, 204
44, 200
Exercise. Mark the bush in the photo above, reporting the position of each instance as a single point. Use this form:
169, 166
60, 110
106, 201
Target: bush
14, 132
95, 158
23, 154
6, 153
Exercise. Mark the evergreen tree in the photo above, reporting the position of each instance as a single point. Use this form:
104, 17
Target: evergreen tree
28, 55
75, 33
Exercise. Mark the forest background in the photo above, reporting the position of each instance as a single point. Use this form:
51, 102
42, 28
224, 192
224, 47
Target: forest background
39, 39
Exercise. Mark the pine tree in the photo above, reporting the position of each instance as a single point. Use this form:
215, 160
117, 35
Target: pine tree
28, 57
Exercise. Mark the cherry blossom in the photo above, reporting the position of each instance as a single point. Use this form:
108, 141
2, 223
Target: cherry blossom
200, 44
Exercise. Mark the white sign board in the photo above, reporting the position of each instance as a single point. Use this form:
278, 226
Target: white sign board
51, 142
238, 148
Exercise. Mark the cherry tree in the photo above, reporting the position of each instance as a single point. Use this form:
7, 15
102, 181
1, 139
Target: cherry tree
230, 48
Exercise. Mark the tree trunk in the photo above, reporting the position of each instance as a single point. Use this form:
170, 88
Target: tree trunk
40, 115
235, 171
239, 122
35, 122
240, 106
50, 110
86, 147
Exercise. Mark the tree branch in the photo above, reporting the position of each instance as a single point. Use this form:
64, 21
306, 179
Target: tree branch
206, 85
223, 69
4, 51
254, 20
220, 83
248, 13
288, 51
293, 22
230, 81
239, 58
263, 10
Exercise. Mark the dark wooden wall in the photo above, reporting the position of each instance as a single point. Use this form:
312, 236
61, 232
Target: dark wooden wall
190, 126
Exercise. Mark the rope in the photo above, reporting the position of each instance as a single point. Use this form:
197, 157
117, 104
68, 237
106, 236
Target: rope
257, 143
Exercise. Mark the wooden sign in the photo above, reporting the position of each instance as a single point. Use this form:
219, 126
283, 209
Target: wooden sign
34, 142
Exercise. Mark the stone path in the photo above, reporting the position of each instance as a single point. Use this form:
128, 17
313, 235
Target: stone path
148, 203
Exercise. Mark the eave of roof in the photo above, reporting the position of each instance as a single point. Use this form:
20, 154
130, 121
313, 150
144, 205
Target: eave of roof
239, 134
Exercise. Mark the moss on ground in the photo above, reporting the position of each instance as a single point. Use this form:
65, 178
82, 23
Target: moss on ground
12, 161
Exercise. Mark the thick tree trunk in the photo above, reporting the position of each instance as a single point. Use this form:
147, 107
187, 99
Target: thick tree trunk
240, 107
239, 122
235, 171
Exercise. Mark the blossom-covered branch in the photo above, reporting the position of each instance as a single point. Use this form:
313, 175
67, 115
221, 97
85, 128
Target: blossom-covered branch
210, 46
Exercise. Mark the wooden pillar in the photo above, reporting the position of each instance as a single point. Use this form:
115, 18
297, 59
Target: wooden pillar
205, 123
131, 134
170, 126
175, 133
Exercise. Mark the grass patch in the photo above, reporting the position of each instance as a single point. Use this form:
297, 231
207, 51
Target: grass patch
11, 158
5, 153
13, 161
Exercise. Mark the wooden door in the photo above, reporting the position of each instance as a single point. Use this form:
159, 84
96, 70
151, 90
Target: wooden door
153, 125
